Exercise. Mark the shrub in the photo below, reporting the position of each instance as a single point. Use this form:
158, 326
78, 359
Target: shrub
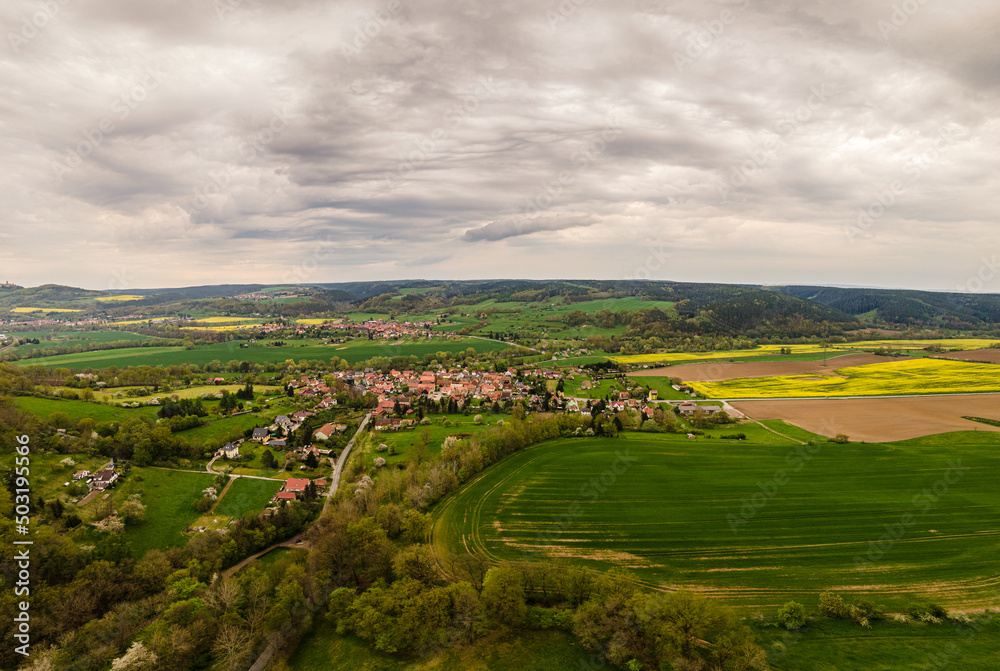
832, 606
792, 616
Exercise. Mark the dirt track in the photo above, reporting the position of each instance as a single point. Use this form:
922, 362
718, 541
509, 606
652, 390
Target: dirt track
880, 419
723, 370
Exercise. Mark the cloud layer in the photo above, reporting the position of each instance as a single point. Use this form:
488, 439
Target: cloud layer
775, 141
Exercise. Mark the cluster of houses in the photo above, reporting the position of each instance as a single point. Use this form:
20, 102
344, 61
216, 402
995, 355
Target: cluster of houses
294, 488
392, 330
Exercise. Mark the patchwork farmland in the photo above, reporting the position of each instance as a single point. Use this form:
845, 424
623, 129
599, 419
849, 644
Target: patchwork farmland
679, 514
900, 377
880, 419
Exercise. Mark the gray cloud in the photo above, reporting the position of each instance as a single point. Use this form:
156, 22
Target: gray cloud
606, 127
515, 226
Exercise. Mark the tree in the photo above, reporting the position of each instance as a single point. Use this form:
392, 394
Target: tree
416, 562
267, 460
503, 596
132, 510
311, 461
136, 658
792, 616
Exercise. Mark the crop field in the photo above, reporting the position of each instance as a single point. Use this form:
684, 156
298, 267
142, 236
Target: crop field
761, 350
901, 377
357, 350
30, 310
119, 297
879, 419
112, 395
53, 339
981, 355
247, 494
725, 370
755, 525
830, 645
953, 343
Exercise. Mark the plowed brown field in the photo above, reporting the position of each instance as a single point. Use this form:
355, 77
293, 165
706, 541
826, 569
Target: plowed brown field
880, 419
723, 370
980, 355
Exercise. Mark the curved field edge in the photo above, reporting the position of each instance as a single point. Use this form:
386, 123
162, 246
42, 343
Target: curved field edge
669, 517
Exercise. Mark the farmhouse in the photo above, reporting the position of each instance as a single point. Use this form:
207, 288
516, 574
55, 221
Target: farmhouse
260, 434
80, 475
229, 451
104, 479
688, 408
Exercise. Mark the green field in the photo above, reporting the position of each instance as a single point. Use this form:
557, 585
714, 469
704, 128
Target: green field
354, 351
831, 645
247, 494
53, 339
43, 407
168, 496
674, 516
551, 650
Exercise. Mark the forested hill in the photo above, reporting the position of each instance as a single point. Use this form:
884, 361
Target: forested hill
902, 307
795, 311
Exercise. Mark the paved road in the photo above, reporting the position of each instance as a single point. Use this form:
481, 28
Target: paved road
339, 468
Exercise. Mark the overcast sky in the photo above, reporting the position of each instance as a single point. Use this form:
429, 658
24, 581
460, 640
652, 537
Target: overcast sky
181, 142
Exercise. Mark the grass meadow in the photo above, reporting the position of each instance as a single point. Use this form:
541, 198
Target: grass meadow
247, 494
168, 496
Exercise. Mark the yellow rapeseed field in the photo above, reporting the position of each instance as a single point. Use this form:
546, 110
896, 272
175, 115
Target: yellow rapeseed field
774, 350
120, 297
43, 310
909, 376
761, 350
